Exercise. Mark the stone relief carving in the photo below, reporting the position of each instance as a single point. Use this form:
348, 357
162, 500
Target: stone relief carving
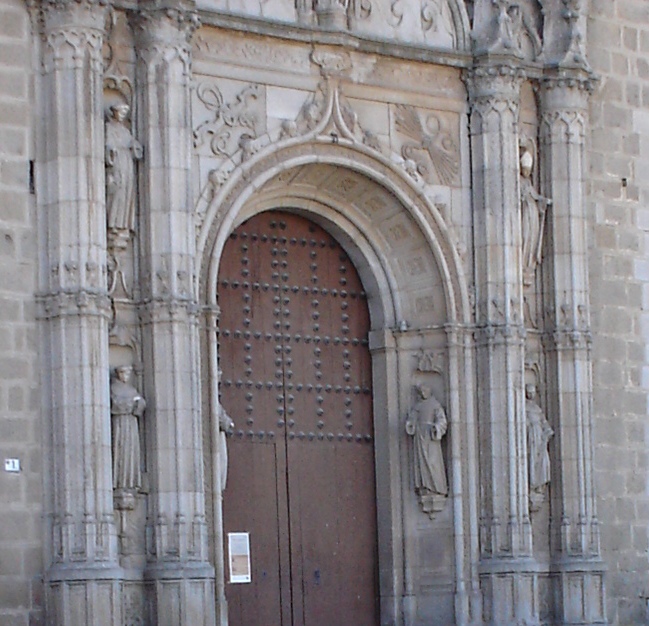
576, 52
436, 23
507, 27
233, 124
533, 212
327, 111
332, 13
427, 425
122, 150
431, 152
539, 433
430, 361
126, 409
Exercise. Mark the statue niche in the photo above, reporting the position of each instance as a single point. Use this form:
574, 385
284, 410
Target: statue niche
126, 409
427, 424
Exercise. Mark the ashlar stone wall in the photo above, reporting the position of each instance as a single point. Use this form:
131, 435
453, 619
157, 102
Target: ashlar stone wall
21, 563
618, 186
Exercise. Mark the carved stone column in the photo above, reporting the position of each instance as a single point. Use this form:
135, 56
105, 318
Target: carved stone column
180, 576
506, 567
576, 562
83, 577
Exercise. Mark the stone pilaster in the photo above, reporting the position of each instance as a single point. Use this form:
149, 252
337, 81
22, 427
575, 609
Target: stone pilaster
576, 562
506, 567
181, 580
83, 578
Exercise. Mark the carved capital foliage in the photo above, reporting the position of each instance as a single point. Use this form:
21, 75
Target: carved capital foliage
494, 88
53, 15
163, 31
71, 32
564, 103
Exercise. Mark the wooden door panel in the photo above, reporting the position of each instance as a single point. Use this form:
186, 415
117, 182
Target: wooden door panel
261, 601
296, 380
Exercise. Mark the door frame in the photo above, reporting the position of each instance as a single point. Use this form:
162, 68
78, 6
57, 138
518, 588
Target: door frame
245, 195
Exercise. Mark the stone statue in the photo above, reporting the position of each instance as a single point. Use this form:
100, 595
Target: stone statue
539, 434
533, 209
226, 427
427, 424
126, 408
122, 149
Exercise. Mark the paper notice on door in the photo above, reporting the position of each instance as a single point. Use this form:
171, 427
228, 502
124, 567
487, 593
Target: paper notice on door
239, 550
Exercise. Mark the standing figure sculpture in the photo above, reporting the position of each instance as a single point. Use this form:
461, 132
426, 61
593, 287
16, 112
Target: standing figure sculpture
539, 433
533, 210
226, 427
126, 408
122, 150
427, 424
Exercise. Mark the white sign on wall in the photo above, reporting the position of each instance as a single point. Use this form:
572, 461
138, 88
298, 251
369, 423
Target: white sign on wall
239, 552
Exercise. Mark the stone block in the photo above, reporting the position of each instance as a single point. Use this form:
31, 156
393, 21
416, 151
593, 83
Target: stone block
14, 173
635, 12
12, 140
14, 367
14, 430
13, 24
14, 594
13, 84
13, 619
14, 112
630, 38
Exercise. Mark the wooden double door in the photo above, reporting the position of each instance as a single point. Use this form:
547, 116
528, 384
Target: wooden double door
296, 380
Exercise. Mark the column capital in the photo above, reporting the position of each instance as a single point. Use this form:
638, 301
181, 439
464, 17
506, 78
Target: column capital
52, 16
165, 24
562, 89
493, 83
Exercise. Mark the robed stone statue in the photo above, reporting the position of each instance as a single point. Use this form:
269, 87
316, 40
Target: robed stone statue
539, 433
122, 150
126, 409
427, 424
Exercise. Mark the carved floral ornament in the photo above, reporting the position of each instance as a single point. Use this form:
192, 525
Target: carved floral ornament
429, 155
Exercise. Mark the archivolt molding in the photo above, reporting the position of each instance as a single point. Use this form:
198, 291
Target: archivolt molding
224, 207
